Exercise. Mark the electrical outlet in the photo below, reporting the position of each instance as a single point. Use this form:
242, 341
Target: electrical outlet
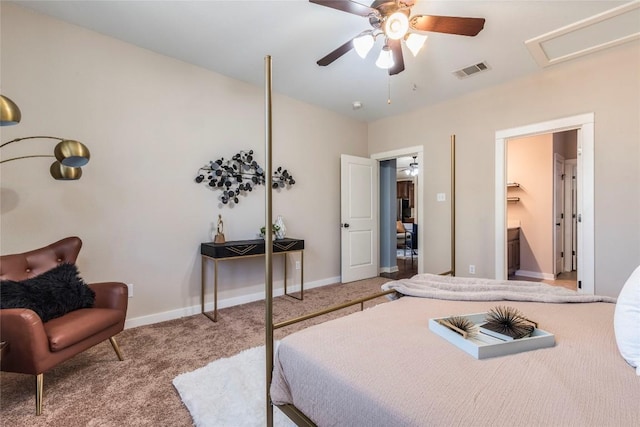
130, 286
472, 269
297, 265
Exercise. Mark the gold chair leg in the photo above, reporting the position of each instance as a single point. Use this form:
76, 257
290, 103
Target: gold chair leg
39, 385
114, 344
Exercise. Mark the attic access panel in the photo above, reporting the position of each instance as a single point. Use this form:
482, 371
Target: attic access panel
611, 28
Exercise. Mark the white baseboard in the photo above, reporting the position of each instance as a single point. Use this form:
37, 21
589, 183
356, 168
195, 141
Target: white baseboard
223, 303
535, 274
392, 269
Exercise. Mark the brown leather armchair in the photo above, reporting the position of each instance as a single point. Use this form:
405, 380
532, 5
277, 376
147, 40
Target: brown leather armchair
33, 347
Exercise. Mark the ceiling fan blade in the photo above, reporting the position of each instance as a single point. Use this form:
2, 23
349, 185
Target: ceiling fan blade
346, 6
377, 3
398, 60
403, 3
447, 24
328, 59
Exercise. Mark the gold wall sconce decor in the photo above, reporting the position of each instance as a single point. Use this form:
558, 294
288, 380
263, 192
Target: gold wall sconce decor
70, 155
238, 175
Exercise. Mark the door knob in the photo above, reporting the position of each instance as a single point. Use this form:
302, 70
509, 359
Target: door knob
345, 225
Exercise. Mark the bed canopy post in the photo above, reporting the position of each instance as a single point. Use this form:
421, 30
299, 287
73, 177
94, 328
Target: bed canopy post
268, 240
453, 205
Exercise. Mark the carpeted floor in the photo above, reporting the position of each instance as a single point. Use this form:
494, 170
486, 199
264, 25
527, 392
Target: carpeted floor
95, 389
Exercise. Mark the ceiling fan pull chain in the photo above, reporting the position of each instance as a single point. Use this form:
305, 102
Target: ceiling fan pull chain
388, 90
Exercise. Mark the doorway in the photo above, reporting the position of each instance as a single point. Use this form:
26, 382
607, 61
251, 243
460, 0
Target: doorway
539, 236
390, 265
403, 175
584, 125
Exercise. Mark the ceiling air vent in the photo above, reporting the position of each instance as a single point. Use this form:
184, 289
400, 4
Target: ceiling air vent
471, 69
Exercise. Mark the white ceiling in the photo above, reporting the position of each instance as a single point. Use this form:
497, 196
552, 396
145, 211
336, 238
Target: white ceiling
233, 37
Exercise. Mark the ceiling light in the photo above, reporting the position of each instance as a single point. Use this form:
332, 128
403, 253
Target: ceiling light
413, 167
363, 44
385, 60
415, 42
396, 26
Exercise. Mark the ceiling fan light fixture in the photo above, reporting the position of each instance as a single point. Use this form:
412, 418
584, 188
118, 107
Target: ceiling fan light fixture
363, 44
385, 60
415, 42
413, 167
396, 26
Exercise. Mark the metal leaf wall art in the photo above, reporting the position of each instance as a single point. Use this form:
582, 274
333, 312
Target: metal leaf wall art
239, 175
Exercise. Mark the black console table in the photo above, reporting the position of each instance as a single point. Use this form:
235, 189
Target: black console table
245, 249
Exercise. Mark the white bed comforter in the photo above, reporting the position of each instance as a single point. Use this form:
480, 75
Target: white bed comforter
472, 289
384, 367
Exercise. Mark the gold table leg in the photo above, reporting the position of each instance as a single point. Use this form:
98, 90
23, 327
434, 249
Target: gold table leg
204, 260
215, 289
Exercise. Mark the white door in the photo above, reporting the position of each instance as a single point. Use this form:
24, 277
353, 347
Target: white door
574, 220
570, 215
359, 218
558, 213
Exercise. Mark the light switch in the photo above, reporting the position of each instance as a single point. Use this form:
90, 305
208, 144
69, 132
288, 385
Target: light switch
441, 197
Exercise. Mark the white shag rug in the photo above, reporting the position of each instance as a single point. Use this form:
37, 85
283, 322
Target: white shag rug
229, 392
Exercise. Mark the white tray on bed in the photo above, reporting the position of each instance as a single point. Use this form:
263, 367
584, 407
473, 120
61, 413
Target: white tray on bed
483, 346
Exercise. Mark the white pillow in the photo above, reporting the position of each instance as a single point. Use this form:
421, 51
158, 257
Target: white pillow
626, 320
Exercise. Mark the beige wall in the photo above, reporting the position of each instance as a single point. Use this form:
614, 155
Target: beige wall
566, 144
530, 164
605, 83
150, 123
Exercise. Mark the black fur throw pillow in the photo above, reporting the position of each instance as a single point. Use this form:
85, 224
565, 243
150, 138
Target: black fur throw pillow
51, 294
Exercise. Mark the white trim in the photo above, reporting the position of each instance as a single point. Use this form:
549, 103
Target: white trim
418, 151
223, 303
391, 269
569, 248
557, 186
585, 184
584, 123
557, 125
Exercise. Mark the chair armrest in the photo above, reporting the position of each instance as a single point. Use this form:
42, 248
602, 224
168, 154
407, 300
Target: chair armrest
23, 330
111, 295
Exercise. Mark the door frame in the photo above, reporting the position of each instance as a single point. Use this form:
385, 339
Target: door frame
570, 218
403, 152
584, 123
558, 236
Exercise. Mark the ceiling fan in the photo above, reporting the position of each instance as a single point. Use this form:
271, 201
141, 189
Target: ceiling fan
412, 169
392, 19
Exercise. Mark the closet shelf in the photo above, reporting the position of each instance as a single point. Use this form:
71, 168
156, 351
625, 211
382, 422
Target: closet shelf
513, 184
513, 199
